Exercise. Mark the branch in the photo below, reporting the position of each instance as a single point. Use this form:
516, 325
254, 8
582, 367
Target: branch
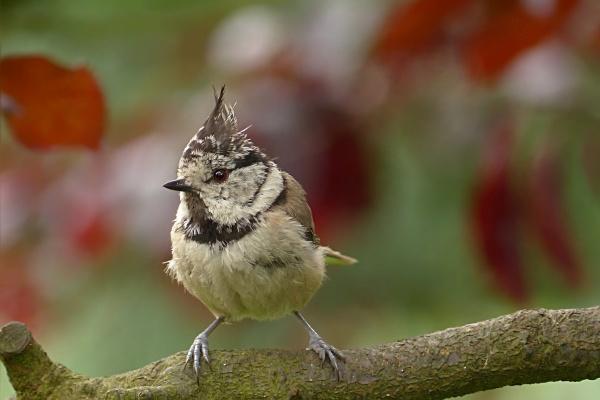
528, 346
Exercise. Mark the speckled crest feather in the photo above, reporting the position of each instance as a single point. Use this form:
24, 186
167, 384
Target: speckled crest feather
220, 134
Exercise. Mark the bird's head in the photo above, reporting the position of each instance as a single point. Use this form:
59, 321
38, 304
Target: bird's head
222, 175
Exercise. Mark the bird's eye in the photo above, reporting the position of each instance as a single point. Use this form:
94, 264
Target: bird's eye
220, 175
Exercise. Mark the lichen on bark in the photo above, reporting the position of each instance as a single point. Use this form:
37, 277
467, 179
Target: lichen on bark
529, 346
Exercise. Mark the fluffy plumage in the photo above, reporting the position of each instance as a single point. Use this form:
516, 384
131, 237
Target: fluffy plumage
243, 239
245, 247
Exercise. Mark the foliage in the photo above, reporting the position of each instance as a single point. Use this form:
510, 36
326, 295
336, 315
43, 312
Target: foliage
435, 141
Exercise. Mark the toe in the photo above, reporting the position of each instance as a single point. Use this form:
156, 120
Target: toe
188, 358
205, 353
332, 360
197, 359
197, 366
338, 353
197, 352
327, 353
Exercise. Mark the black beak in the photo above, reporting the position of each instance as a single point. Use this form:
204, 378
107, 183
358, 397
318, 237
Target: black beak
179, 185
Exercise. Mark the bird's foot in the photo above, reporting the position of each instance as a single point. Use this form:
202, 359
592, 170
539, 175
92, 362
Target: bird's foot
326, 352
197, 351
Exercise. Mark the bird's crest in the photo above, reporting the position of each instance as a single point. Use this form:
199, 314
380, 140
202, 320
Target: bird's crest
220, 133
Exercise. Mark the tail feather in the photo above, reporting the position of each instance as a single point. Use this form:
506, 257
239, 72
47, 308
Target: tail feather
335, 258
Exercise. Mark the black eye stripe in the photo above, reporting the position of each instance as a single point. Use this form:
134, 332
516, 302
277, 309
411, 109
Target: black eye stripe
251, 158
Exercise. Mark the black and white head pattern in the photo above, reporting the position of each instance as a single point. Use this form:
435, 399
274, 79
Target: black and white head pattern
233, 182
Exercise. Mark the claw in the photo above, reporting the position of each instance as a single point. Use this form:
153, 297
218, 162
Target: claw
189, 357
326, 353
198, 350
205, 353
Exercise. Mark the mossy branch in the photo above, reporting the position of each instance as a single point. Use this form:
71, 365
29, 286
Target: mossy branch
528, 346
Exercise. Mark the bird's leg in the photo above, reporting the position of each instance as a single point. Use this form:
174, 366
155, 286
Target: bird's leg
199, 348
325, 351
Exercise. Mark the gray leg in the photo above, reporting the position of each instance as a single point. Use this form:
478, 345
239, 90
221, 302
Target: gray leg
199, 348
325, 351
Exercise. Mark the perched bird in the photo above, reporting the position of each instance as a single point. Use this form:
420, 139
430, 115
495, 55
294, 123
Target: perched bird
243, 240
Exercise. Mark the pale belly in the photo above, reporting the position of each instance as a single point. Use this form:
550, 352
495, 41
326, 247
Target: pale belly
266, 274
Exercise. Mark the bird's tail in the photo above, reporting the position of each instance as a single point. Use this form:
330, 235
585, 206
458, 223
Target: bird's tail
335, 258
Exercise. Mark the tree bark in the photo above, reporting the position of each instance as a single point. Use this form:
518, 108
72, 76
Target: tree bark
529, 346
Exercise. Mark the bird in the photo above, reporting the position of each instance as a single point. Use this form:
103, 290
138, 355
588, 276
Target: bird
243, 239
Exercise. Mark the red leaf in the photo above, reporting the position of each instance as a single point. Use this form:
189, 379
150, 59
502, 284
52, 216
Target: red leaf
506, 35
411, 28
87, 227
48, 105
92, 237
341, 189
547, 216
495, 217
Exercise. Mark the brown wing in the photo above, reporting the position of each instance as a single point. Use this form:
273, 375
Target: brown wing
292, 200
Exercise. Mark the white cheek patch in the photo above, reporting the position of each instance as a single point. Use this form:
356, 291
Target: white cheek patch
247, 199
224, 193
245, 183
269, 191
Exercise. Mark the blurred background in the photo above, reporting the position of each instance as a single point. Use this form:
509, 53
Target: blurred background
452, 147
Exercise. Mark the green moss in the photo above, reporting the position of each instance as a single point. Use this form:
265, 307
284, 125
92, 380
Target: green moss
525, 347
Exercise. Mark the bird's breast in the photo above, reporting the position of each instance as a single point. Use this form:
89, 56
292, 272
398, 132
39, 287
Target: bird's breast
268, 273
